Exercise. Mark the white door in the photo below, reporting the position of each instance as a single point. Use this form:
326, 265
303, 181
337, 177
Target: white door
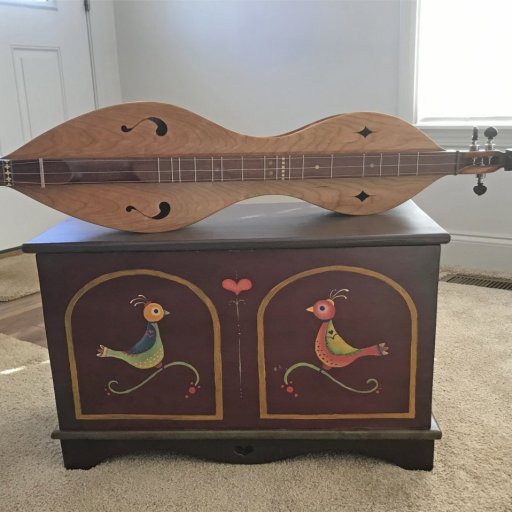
45, 78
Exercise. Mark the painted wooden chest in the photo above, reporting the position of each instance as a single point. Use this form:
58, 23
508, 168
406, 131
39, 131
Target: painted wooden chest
261, 332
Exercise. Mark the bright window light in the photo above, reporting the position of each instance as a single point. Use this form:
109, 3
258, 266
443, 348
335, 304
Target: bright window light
9, 371
463, 62
12, 370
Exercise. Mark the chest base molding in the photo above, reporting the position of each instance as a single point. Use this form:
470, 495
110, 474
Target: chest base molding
409, 449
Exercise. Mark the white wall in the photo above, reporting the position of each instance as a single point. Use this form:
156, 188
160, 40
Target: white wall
260, 67
104, 51
267, 67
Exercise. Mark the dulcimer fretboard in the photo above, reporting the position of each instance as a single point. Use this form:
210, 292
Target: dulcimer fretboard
186, 169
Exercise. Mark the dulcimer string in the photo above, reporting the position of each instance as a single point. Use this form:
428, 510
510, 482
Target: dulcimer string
443, 153
177, 179
105, 171
177, 169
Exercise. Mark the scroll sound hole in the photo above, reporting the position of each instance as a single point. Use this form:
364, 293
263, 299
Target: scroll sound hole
164, 210
161, 127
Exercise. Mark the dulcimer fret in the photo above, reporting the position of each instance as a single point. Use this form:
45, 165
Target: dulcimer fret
150, 167
223, 168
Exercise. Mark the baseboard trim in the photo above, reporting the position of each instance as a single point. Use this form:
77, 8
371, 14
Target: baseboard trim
478, 252
13, 251
481, 239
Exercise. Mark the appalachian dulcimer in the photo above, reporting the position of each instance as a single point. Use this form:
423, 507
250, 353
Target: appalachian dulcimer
150, 167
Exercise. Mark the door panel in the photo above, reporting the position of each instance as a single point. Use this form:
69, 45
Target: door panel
40, 88
46, 78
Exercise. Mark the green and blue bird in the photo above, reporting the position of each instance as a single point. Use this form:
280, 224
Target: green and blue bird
148, 352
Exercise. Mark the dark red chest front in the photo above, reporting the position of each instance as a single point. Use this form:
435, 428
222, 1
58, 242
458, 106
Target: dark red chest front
239, 348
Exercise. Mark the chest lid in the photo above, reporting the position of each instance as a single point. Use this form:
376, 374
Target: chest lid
254, 226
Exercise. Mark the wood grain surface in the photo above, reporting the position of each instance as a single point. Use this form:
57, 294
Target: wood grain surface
99, 134
191, 202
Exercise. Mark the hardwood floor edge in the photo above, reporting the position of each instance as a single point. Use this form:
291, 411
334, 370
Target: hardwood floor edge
13, 251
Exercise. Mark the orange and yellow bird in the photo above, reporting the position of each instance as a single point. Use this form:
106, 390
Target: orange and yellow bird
148, 352
330, 347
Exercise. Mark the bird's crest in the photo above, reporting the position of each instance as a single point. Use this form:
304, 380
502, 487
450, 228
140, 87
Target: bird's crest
336, 294
140, 299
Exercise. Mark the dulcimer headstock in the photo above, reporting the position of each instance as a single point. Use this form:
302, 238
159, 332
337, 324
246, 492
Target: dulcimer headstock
482, 161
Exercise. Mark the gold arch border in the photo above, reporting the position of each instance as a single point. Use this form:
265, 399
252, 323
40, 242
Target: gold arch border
216, 349
410, 414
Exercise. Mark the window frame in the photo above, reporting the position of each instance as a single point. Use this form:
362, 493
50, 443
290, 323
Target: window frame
449, 132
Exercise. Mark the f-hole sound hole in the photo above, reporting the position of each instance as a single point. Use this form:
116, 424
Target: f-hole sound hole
164, 210
243, 451
161, 127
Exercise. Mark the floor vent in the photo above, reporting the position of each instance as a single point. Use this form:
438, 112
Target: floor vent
484, 281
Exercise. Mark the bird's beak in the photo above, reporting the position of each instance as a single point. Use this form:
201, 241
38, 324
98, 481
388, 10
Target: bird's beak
310, 309
166, 312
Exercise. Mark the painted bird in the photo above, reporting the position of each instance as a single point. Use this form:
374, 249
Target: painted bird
330, 347
148, 352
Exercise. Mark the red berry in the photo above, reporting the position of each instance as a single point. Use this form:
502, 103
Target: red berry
192, 390
186, 396
289, 389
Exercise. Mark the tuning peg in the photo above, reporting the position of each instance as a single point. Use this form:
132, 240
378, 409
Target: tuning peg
479, 189
490, 133
508, 160
474, 141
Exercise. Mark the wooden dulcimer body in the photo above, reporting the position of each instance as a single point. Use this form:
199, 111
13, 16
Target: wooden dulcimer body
150, 167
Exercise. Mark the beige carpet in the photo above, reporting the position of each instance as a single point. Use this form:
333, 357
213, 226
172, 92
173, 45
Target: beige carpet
18, 276
473, 468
